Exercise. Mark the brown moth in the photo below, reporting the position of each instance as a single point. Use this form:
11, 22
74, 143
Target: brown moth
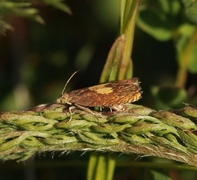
112, 94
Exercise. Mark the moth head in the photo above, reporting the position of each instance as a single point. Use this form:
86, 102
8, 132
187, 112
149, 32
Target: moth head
63, 99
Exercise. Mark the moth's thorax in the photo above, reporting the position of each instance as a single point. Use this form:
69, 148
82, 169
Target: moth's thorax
64, 99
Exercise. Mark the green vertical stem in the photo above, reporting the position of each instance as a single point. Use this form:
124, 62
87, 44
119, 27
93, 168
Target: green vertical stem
101, 171
110, 167
118, 66
101, 166
128, 10
91, 167
112, 65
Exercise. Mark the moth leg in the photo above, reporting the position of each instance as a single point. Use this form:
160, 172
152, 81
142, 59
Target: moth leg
100, 108
70, 111
84, 108
118, 107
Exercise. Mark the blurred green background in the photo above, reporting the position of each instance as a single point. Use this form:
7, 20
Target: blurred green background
36, 60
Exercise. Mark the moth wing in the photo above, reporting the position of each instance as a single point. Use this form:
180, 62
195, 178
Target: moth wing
108, 94
85, 97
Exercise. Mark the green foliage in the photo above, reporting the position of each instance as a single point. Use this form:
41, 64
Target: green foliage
22, 9
169, 20
59, 5
159, 18
169, 97
193, 62
26, 10
191, 10
186, 46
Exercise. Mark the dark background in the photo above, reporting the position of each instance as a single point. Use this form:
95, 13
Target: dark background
38, 59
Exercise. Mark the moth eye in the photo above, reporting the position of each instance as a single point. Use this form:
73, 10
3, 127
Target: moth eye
63, 99
58, 100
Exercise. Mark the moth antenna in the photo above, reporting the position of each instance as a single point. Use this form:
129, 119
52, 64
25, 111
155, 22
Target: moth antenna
68, 81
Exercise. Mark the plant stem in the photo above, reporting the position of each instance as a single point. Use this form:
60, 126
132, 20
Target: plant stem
138, 130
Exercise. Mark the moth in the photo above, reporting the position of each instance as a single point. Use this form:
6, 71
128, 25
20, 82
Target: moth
113, 95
